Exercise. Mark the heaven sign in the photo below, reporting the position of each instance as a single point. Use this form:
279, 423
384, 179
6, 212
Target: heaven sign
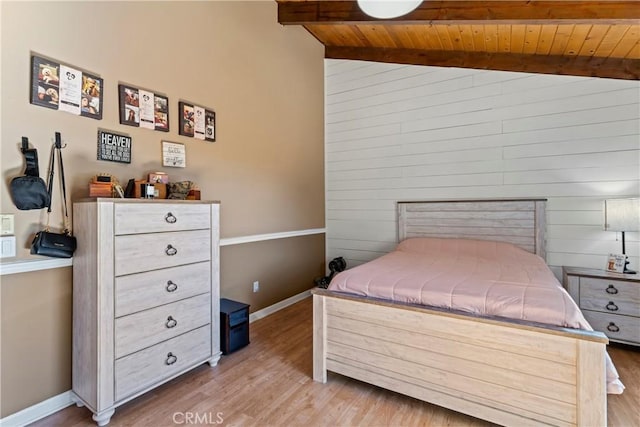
114, 147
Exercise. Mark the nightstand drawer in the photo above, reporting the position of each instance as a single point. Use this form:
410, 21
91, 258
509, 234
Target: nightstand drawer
610, 296
145, 252
623, 328
149, 327
141, 291
138, 218
146, 367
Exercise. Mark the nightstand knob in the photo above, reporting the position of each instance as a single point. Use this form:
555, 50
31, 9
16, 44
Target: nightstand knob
611, 306
612, 290
171, 359
171, 322
171, 287
170, 218
613, 327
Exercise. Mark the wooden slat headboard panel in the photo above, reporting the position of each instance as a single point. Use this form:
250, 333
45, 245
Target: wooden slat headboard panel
517, 221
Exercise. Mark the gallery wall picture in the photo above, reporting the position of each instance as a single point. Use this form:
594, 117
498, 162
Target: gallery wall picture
65, 88
196, 122
143, 108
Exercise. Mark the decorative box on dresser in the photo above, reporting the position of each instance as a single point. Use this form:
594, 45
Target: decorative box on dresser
146, 297
609, 301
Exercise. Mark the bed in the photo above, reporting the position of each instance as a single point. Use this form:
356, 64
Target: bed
506, 371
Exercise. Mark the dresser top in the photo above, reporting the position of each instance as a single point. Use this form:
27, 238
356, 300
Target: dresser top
132, 200
600, 274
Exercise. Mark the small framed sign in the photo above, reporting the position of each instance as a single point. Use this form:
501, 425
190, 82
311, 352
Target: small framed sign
174, 154
114, 147
615, 263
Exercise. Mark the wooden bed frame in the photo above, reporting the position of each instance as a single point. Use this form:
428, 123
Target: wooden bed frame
508, 372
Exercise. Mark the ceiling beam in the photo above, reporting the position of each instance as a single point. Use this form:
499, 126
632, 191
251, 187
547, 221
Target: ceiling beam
616, 68
470, 12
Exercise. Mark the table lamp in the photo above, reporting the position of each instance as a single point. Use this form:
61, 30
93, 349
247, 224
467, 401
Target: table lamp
622, 215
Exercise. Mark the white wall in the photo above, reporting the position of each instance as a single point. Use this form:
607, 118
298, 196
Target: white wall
397, 132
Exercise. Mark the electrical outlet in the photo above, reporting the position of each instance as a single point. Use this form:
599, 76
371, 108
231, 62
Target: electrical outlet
256, 286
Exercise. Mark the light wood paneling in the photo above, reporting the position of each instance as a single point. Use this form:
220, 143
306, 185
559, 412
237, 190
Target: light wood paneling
409, 133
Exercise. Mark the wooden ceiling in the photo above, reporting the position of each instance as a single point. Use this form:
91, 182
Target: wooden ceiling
598, 38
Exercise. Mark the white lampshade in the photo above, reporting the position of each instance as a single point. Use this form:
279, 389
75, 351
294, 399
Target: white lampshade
622, 214
386, 9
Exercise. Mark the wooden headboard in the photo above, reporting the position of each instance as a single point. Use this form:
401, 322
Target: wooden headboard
517, 221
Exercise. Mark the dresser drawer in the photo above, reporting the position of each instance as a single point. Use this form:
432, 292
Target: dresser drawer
610, 296
137, 292
146, 328
138, 218
144, 252
147, 367
616, 327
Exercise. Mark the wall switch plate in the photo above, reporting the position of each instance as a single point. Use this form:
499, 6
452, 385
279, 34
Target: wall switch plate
7, 246
256, 286
6, 224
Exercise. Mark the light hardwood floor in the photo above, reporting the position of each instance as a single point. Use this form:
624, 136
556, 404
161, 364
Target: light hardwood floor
269, 383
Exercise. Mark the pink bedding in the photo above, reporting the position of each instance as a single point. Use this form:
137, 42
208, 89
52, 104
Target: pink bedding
480, 277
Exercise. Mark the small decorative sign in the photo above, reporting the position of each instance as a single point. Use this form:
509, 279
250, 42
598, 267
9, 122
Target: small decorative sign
615, 263
114, 147
174, 154
197, 122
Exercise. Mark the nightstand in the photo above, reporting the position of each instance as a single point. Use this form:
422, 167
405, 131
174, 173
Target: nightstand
609, 301
234, 325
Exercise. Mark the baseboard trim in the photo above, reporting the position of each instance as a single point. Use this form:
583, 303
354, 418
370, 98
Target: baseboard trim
38, 411
56, 403
278, 306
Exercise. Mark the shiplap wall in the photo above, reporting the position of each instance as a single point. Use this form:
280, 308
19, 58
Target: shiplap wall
398, 132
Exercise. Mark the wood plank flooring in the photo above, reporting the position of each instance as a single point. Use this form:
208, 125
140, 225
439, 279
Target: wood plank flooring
269, 383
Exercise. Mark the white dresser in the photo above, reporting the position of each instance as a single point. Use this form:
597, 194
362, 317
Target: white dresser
145, 296
609, 301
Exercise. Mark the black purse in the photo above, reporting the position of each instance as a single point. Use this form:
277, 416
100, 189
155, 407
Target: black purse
47, 243
29, 191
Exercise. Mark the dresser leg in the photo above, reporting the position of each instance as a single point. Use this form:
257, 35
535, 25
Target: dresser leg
103, 418
214, 360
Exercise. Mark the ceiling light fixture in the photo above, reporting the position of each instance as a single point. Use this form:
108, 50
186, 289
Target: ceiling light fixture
386, 9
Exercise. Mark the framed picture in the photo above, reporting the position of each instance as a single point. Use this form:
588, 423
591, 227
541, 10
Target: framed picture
65, 88
210, 126
187, 119
129, 105
91, 96
161, 113
114, 147
615, 263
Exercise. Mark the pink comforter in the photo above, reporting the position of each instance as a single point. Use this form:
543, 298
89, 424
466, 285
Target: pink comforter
480, 277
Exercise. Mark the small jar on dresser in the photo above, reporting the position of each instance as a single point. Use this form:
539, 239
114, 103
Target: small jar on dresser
609, 301
146, 296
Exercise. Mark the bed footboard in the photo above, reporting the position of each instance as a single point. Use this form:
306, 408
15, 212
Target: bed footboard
509, 373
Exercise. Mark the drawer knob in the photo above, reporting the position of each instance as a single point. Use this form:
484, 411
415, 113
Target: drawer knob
612, 290
170, 218
171, 359
613, 327
171, 251
171, 322
171, 287
611, 306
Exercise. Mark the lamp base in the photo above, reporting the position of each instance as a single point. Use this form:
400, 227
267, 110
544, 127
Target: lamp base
626, 270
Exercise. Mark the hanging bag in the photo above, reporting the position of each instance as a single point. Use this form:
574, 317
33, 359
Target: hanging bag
58, 245
29, 191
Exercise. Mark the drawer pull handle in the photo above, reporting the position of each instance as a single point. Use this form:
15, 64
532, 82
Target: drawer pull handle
171, 287
171, 251
171, 322
171, 359
611, 290
170, 218
613, 327
611, 306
